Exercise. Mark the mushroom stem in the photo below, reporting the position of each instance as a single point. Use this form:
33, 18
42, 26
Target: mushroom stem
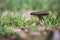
40, 20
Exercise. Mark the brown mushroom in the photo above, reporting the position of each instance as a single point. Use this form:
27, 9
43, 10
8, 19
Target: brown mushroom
40, 16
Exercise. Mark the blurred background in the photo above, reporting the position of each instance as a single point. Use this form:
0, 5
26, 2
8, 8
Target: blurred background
16, 14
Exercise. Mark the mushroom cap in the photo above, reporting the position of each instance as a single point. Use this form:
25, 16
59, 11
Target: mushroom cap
39, 13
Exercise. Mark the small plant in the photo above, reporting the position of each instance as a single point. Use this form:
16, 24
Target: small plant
5, 31
50, 20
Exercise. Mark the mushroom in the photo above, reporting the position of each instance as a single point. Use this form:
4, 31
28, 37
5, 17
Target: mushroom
40, 16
